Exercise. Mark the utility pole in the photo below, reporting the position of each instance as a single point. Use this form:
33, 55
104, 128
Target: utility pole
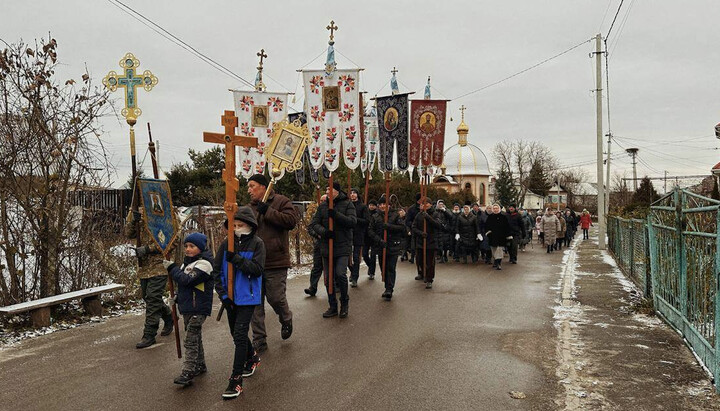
665, 188
607, 174
633, 153
600, 183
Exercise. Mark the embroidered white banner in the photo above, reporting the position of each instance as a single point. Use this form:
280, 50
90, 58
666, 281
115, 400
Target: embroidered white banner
372, 144
256, 113
333, 117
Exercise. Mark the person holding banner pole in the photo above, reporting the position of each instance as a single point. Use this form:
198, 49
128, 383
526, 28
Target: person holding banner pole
425, 228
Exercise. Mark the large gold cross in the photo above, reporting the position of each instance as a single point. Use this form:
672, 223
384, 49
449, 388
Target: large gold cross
332, 27
232, 185
130, 82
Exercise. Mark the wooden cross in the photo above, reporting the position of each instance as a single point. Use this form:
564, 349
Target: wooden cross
462, 111
332, 27
232, 185
130, 82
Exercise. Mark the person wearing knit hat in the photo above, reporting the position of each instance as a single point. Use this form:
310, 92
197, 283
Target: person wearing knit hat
344, 220
275, 218
387, 237
194, 299
359, 233
424, 228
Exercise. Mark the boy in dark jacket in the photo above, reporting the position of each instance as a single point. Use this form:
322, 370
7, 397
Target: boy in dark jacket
248, 261
395, 230
424, 229
194, 299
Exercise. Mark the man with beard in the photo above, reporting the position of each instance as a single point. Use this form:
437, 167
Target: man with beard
517, 231
395, 230
275, 218
359, 233
344, 220
425, 229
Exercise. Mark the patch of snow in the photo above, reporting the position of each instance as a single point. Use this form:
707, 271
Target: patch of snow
644, 347
297, 271
602, 325
123, 250
648, 320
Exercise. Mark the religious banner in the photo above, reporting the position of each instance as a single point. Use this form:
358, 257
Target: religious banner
286, 149
392, 120
427, 130
372, 142
257, 111
158, 209
332, 104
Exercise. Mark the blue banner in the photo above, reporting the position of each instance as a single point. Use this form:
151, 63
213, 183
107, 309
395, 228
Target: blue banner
158, 210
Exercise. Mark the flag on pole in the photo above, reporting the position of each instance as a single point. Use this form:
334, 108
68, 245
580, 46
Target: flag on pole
392, 120
427, 130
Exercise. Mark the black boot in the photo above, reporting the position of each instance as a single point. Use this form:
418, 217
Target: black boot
343, 310
184, 379
310, 291
286, 330
331, 312
387, 295
167, 326
145, 342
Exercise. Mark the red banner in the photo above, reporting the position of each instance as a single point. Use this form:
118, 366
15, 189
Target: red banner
427, 131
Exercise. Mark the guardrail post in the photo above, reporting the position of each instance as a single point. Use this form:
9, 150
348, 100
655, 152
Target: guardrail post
652, 241
680, 256
632, 249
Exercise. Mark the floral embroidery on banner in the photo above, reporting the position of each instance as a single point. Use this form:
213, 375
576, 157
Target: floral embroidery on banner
315, 153
275, 103
331, 134
246, 102
316, 82
246, 150
246, 129
350, 134
246, 165
351, 154
261, 148
259, 168
331, 156
347, 113
316, 114
347, 82
316, 133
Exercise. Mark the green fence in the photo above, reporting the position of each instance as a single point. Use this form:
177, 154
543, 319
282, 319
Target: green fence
628, 242
684, 259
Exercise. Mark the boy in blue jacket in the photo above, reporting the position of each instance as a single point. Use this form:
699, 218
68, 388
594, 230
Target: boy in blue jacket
194, 299
248, 262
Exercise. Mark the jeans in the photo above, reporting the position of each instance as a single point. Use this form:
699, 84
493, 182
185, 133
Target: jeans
239, 320
340, 281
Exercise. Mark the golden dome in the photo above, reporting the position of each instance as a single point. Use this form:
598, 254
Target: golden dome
462, 129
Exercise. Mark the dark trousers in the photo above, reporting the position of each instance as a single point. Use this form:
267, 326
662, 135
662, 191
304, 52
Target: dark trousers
390, 271
194, 352
355, 267
513, 249
430, 259
239, 320
317, 268
585, 234
340, 281
372, 261
153, 289
273, 287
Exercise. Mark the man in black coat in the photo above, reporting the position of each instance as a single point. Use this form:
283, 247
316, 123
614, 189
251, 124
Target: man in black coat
517, 231
497, 230
388, 237
317, 267
344, 220
425, 229
359, 233
409, 219
368, 256
445, 218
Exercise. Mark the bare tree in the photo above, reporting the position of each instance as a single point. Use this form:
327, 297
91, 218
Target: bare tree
519, 156
50, 146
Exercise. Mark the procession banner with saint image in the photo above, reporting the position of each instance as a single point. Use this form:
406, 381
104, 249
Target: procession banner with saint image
333, 117
392, 120
257, 111
158, 210
427, 130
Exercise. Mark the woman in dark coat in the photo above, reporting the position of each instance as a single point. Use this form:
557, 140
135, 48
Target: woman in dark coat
497, 229
467, 234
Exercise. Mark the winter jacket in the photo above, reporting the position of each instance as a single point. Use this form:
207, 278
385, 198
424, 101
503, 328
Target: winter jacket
497, 229
432, 227
150, 265
395, 232
273, 228
585, 221
467, 228
550, 226
248, 267
563, 228
528, 223
446, 220
343, 224
517, 226
362, 214
411, 214
195, 284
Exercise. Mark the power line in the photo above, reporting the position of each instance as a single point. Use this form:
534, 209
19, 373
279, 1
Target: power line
169, 36
622, 25
614, 18
524, 71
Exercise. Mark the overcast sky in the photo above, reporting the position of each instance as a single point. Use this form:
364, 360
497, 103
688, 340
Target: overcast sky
664, 66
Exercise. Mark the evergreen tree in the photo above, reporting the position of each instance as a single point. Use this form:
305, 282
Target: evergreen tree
505, 191
645, 194
538, 181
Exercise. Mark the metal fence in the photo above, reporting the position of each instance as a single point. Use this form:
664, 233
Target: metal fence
628, 242
684, 259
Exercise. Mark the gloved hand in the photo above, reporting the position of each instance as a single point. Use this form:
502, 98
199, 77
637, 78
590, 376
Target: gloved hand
457, 236
262, 207
383, 244
142, 252
167, 264
227, 304
229, 256
329, 234
424, 235
233, 258
331, 213
479, 237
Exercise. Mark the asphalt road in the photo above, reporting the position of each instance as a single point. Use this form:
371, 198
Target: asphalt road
465, 344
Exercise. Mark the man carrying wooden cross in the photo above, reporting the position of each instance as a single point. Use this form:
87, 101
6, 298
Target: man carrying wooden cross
276, 217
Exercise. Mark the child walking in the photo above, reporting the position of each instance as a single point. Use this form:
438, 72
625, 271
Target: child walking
194, 299
248, 261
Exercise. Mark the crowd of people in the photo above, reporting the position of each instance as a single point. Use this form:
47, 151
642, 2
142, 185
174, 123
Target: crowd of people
346, 233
